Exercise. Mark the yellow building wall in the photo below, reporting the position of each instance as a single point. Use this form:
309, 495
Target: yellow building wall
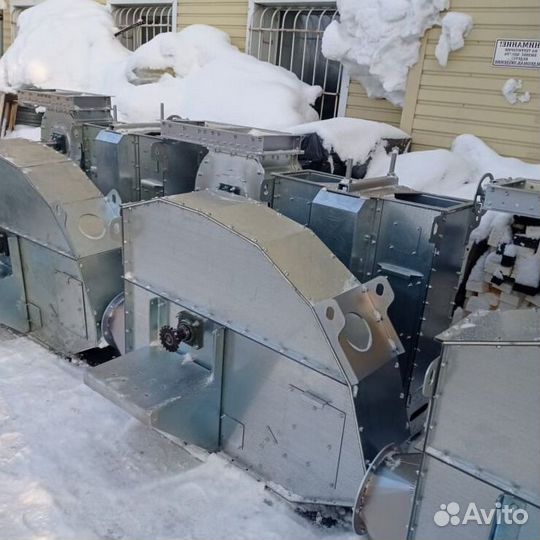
6, 26
230, 16
379, 110
465, 97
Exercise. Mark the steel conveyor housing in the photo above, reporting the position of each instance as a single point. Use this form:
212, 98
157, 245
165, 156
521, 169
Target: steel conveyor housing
290, 366
60, 248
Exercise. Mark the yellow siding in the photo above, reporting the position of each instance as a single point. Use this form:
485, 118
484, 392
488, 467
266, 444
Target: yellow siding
380, 110
228, 15
465, 97
6, 26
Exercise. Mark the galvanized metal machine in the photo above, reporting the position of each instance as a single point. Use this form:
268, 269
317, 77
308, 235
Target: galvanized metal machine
176, 156
252, 338
247, 326
60, 248
377, 228
240, 160
142, 161
64, 115
478, 474
520, 196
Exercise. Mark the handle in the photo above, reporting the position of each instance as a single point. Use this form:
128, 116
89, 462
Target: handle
428, 387
480, 194
398, 271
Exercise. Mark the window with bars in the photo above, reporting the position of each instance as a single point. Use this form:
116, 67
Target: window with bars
143, 22
291, 37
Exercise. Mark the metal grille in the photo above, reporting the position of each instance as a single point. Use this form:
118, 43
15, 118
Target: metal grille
291, 37
155, 18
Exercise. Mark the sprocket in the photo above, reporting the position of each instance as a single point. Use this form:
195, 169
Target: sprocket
169, 338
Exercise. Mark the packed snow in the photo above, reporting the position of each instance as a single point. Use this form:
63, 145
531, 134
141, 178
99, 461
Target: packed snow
24, 132
493, 223
512, 90
507, 275
454, 172
73, 465
197, 73
379, 41
527, 270
350, 138
455, 28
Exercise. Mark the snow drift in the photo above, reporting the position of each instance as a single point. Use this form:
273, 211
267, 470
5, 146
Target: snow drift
62, 44
379, 41
197, 73
350, 138
454, 172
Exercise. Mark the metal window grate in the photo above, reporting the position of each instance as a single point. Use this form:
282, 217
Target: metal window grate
291, 37
156, 19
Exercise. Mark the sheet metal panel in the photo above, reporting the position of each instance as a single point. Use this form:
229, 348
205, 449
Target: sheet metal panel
249, 287
253, 261
13, 309
442, 484
69, 214
298, 427
487, 402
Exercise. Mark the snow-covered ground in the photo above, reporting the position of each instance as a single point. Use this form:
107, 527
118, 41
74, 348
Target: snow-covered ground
72, 465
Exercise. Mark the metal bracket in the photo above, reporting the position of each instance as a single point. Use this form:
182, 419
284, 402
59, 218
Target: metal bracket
196, 325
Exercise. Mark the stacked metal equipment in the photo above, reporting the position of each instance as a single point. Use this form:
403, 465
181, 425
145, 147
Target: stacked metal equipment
175, 156
60, 248
64, 115
135, 163
377, 228
478, 476
140, 161
240, 160
271, 351
128, 161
